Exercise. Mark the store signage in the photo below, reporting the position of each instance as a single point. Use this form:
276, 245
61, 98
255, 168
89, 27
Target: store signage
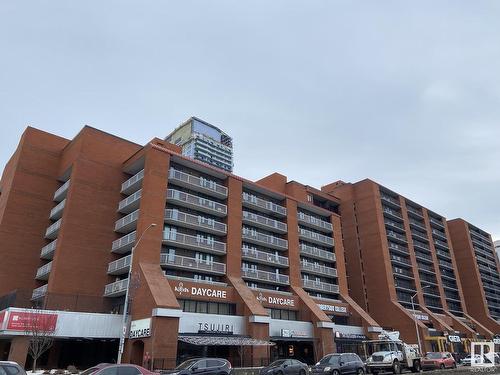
332, 308
215, 328
200, 291
421, 316
293, 333
352, 336
280, 301
140, 328
453, 338
28, 321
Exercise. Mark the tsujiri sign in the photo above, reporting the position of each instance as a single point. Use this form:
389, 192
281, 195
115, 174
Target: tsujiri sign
27, 320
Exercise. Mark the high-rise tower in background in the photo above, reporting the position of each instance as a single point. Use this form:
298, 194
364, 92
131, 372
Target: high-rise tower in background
204, 142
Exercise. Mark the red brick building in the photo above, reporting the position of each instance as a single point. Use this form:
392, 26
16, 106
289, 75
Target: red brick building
230, 264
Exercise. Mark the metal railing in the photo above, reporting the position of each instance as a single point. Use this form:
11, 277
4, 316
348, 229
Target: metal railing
198, 203
39, 292
394, 224
393, 246
264, 276
56, 212
127, 220
439, 233
390, 199
260, 203
132, 182
441, 243
202, 281
318, 268
316, 252
43, 271
264, 239
206, 185
393, 213
116, 289
195, 242
414, 211
124, 244
314, 221
436, 221
402, 260
308, 235
53, 230
195, 221
396, 235
320, 285
423, 256
134, 198
259, 220
262, 256
120, 265
61, 192
420, 235
418, 224
192, 263
48, 250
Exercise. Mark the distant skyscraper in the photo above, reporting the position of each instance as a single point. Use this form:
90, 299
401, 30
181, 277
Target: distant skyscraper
204, 142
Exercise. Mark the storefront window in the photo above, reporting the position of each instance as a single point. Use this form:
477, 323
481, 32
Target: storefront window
203, 307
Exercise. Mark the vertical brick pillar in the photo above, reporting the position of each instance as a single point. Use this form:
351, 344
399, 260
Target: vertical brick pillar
293, 243
234, 225
19, 350
339, 255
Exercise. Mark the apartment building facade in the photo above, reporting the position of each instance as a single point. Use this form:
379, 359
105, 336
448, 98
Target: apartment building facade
479, 271
219, 262
417, 277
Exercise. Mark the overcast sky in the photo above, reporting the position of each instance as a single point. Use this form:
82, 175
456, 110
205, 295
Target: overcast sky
404, 92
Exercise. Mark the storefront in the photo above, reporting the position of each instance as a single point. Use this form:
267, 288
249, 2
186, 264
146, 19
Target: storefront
293, 339
349, 339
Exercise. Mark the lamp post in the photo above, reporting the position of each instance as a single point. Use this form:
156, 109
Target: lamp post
125, 306
415, 319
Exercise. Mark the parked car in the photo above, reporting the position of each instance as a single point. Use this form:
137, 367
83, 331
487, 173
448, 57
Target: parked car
339, 364
285, 367
438, 360
114, 369
11, 368
467, 360
202, 366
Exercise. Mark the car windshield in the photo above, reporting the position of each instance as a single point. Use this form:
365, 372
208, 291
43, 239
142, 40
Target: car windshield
329, 359
380, 347
187, 364
89, 371
433, 355
277, 363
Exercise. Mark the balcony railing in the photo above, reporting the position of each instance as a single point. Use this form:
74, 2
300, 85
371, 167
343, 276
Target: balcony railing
197, 203
441, 244
426, 267
263, 257
201, 281
421, 236
394, 224
423, 256
48, 250
194, 222
127, 223
389, 199
421, 245
444, 254
39, 292
263, 205
116, 289
57, 211
119, 266
318, 269
131, 203
445, 264
43, 272
480, 236
317, 253
188, 263
314, 222
320, 286
399, 248
197, 183
439, 234
449, 285
133, 183
401, 260
314, 237
392, 213
396, 236
418, 224
53, 230
194, 242
264, 276
264, 239
264, 222
61, 193
124, 244
414, 211
402, 272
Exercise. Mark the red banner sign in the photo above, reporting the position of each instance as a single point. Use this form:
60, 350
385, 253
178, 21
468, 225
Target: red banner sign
30, 321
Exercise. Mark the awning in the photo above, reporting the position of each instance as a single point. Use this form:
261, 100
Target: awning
224, 341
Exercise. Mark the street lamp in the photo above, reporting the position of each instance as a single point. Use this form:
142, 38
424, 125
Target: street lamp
415, 318
125, 306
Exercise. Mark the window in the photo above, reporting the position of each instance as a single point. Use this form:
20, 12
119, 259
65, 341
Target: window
219, 308
113, 370
214, 363
2, 371
11, 370
128, 370
201, 364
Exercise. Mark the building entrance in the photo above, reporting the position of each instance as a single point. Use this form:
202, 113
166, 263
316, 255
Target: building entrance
302, 350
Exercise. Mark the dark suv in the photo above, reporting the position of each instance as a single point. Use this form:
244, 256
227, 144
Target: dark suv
339, 364
11, 368
202, 366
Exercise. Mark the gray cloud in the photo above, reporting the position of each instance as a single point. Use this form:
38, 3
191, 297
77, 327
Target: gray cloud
406, 93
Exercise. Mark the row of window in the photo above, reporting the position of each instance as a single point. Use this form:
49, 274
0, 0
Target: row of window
203, 307
282, 314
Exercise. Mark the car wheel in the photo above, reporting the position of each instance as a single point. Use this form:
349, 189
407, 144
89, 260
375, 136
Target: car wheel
416, 367
454, 365
335, 372
396, 368
360, 371
442, 366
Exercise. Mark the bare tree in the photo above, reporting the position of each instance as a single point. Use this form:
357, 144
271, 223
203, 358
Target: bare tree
40, 328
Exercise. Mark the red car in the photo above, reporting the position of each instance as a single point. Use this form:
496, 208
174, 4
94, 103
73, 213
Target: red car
438, 360
114, 369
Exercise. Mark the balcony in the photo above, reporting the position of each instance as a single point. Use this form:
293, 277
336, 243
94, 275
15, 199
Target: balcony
262, 257
43, 272
318, 269
419, 235
197, 222
192, 264
441, 244
133, 184
124, 244
320, 286
262, 205
431, 292
314, 222
192, 280
418, 224
439, 234
317, 253
402, 273
392, 214
425, 257
405, 288
421, 246
56, 212
480, 236
127, 223
448, 285
119, 266
402, 261
266, 240
394, 225
396, 236
487, 254
443, 254
131, 203
61, 193
447, 276
198, 243
264, 276
446, 264
414, 211
196, 203
390, 200
47, 252
116, 289
39, 292
198, 184
319, 239
398, 248
436, 222
264, 222
426, 268
53, 231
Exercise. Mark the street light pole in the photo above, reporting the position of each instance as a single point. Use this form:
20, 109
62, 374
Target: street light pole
125, 306
415, 319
